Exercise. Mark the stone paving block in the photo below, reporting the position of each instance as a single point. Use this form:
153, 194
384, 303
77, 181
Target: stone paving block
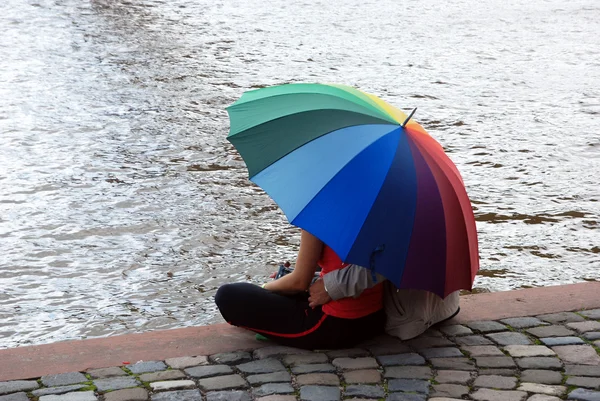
14, 397
583, 327
115, 383
494, 362
579, 354
235, 395
186, 362
584, 395
592, 335
409, 386
509, 338
588, 382
273, 388
591, 313
538, 388
452, 363
210, 370
147, 367
422, 342
497, 372
561, 317
550, 331
58, 390
364, 391
277, 377
277, 350
483, 350
450, 390
347, 353
274, 397
231, 358
303, 359
17, 385
130, 394
473, 340
554, 341
456, 330
76, 396
222, 383
172, 385
401, 359
453, 376
313, 368
386, 345
63, 379
320, 379
319, 393
485, 394
523, 322
161, 376
538, 362
597, 343
442, 352
541, 376
366, 376
444, 399
542, 397
519, 351
405, 397
106, 372
582, 370
486, 326
497, 382
408, 372
180, 395
355, 363
262, 366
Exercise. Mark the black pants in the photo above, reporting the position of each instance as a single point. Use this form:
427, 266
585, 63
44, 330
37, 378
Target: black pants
288, 320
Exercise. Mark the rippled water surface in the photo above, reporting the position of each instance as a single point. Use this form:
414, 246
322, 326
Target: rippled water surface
123, 207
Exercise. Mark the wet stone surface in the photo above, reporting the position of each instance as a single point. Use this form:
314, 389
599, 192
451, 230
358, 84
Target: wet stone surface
541, 376
554, 341
409, 386
186, 362
510, 338
452, 363
63, 379
147, 367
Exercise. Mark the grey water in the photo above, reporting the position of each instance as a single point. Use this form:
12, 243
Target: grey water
123, 207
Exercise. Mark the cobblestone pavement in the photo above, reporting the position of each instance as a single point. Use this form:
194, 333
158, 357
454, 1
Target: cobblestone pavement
542, 358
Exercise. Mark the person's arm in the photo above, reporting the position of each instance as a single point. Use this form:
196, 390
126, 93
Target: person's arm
350, 281
300, 278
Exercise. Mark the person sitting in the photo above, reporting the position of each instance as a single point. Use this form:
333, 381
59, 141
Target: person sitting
282, 312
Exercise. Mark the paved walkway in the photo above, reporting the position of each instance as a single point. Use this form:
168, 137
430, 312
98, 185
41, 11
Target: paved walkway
535, 358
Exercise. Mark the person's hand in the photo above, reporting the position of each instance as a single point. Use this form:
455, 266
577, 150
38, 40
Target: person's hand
318, 295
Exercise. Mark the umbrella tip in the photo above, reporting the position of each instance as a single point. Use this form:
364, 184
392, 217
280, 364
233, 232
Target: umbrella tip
408, 118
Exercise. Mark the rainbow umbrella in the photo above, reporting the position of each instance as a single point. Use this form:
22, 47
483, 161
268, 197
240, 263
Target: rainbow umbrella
363, 177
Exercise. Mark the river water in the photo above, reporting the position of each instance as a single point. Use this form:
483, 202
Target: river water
123, 207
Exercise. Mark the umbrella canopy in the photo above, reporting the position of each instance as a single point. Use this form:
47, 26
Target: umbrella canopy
345, 166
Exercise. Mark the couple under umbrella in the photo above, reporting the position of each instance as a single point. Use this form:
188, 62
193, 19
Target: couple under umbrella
383, 211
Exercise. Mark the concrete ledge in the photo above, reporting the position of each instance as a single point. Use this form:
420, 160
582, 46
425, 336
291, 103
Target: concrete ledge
80, 355
529, 302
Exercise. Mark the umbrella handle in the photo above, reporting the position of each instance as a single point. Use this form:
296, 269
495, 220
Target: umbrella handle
380, 248
408, 118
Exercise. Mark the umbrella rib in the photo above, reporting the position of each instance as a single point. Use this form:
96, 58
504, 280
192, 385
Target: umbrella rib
342, 168
325, 133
